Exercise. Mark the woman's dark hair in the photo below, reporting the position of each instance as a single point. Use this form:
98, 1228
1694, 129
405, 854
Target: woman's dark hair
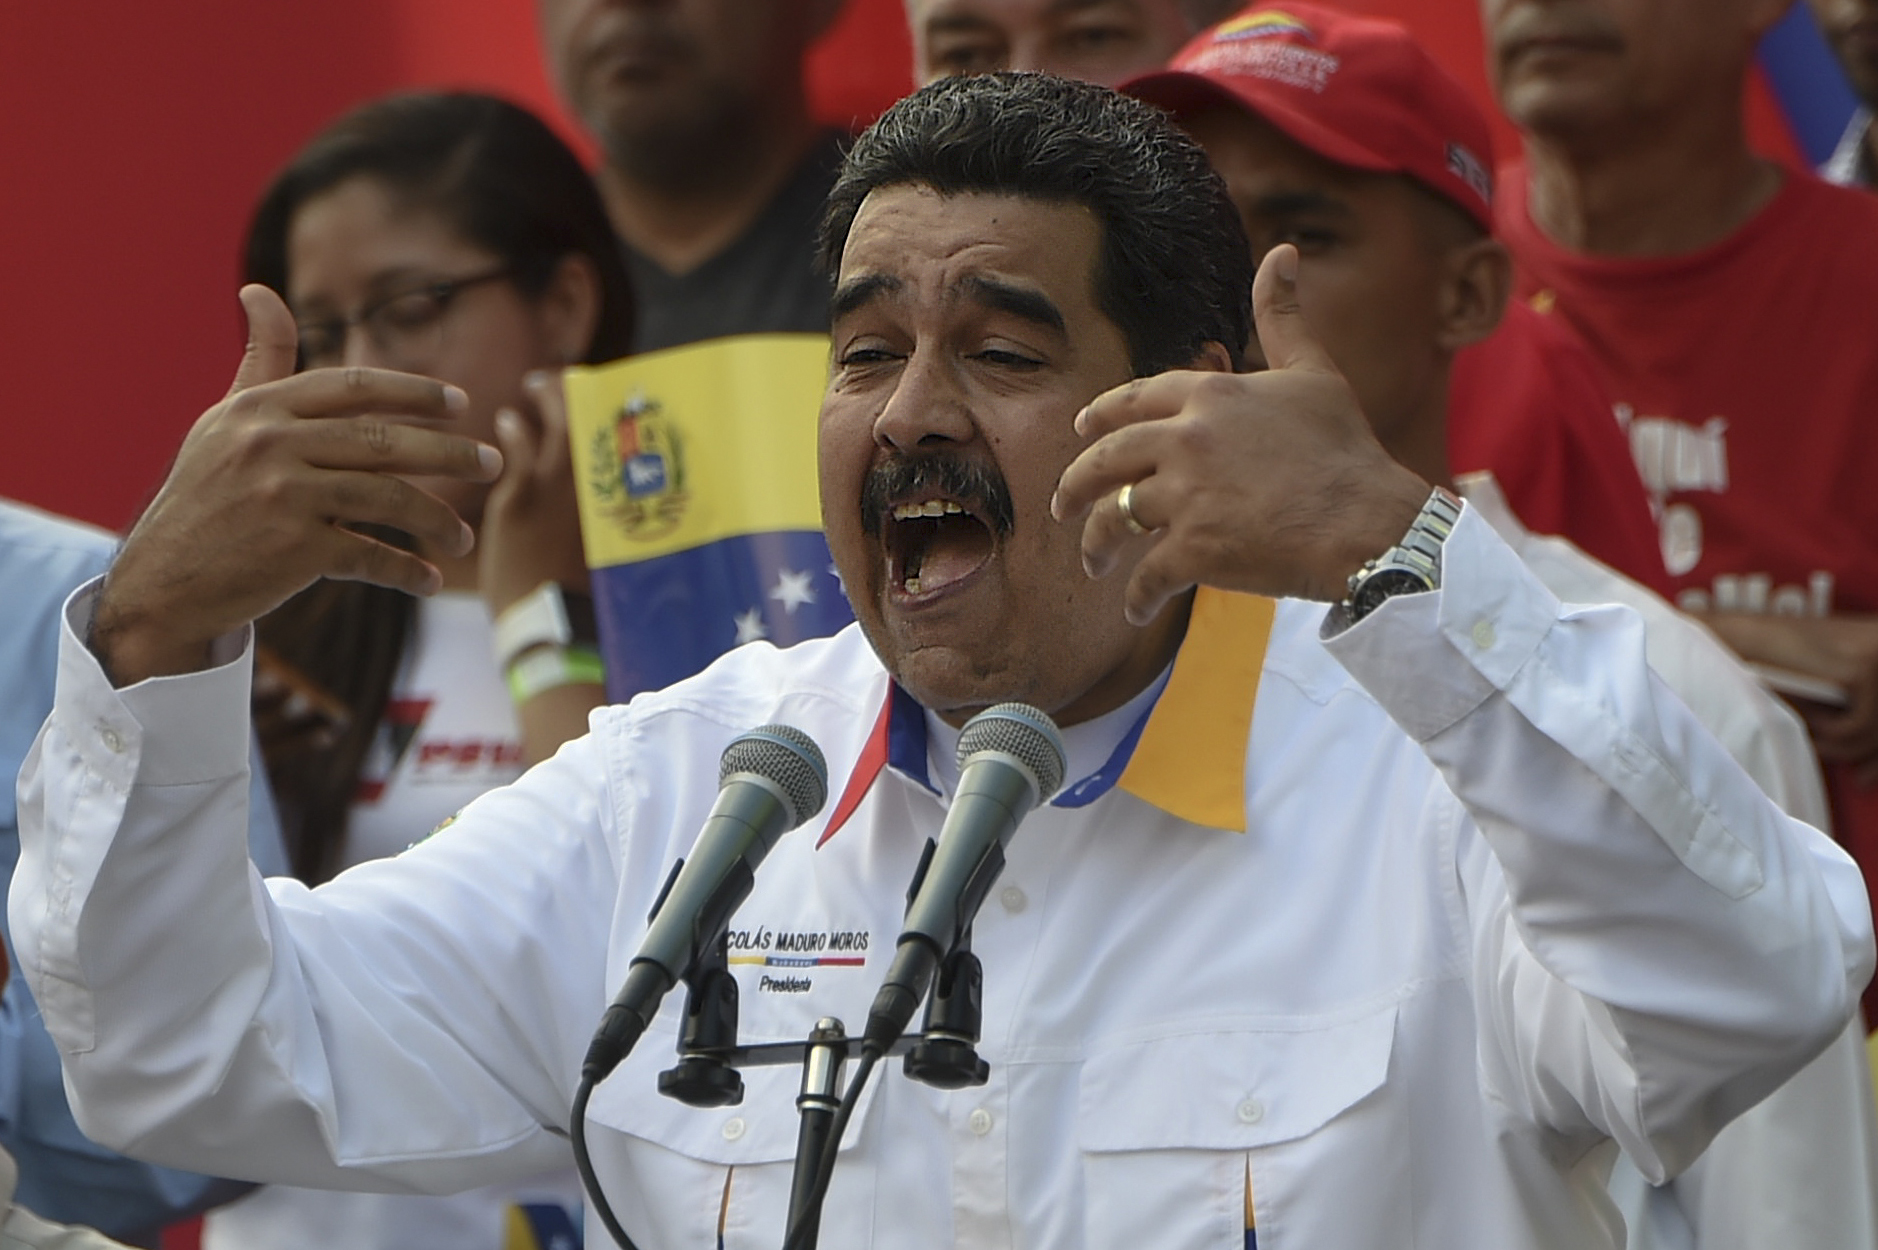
505, 182
1174, 272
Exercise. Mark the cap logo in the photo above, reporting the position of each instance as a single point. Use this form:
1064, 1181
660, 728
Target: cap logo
1470, 170
1307, 69
1266, 24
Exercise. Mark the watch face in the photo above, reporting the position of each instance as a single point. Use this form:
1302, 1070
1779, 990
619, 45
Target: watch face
1385, 584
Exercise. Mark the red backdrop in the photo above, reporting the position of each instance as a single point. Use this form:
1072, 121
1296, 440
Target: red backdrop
134, 137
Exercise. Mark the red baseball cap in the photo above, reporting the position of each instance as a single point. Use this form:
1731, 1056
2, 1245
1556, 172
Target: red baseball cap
1358, 91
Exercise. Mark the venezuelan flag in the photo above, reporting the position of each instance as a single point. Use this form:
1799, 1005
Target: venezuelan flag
695, 469
1807, 83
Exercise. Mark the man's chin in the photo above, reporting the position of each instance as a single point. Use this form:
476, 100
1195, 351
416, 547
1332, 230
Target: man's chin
950, 681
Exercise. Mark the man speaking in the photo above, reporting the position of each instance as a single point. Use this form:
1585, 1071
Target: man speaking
1346, 930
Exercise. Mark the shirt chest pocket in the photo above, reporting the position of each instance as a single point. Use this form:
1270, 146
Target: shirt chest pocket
1181, 1136
680, 1177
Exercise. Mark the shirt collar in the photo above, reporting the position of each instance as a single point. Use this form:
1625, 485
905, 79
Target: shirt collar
1185, 754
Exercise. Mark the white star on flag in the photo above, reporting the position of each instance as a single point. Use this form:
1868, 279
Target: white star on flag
792, 589
750, 627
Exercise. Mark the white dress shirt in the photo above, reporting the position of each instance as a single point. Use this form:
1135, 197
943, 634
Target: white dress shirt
1500, 901
1801, 1167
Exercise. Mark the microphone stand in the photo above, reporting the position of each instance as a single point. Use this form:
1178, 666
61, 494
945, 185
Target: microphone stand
820, 1099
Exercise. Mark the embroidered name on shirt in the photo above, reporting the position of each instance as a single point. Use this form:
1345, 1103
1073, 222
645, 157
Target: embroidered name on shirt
812, 948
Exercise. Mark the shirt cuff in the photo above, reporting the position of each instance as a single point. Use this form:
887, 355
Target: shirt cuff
1430, 659
107, 725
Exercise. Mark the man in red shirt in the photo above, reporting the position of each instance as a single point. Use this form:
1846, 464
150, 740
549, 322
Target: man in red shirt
1730, 303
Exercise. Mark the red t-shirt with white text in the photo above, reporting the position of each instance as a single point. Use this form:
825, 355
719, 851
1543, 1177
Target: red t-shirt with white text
1529, 404
1746, 375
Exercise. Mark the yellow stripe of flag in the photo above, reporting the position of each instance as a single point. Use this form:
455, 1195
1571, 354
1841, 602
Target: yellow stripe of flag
730, 427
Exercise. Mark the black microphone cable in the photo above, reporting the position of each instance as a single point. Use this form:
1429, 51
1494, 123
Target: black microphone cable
583, 1163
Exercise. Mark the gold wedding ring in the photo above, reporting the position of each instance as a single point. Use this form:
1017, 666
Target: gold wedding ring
1125, 504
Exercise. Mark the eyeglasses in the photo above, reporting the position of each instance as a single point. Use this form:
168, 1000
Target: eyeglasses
405, 328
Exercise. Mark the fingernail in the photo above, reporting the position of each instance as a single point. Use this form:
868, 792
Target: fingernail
1056, 508
535, 379
1286, 263
466, 537
456, 399
432, 583
509, 423
489, 459
1081, 418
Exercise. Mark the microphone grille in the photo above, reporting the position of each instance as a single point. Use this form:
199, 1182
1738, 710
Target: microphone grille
1019, 730
785, 756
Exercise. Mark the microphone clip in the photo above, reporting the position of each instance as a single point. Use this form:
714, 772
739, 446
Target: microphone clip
703, 1076
946, 1054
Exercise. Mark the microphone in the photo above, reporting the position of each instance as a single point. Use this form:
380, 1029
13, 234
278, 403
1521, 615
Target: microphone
770, 780
1010, 760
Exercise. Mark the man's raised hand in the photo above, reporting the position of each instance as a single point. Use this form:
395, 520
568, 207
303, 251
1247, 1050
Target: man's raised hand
261, 498
1270, 483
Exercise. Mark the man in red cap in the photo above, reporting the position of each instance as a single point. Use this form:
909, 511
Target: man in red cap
1343, 137
1487, 388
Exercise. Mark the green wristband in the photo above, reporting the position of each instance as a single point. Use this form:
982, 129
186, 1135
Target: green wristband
544, 668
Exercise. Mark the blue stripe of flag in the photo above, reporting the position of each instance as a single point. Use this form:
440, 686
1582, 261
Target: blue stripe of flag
1808, 82
664, 619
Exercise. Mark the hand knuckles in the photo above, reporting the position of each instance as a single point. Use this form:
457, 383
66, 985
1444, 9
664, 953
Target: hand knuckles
379, 436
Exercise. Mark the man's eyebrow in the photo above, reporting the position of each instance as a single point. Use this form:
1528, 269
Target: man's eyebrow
1063, 8
1018, 301
1280, 203
851, 295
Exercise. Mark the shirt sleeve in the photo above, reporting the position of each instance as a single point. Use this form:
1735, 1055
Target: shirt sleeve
411, 1026
1656, 945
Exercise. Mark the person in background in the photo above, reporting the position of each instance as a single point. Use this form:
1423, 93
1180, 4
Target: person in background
1102, 41
455, 236
1525, 385
1398, 270
60, 1173
1729, 303
1851, 27
711, 166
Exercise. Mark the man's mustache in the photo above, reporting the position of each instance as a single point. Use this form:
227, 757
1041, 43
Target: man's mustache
977, 487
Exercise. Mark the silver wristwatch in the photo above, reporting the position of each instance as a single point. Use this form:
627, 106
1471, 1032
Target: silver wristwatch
1412, 566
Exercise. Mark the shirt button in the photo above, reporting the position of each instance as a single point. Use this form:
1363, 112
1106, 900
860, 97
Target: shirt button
1013, 899
113, 742
980, 1121
1484, 635
733, 1128
1251, 1111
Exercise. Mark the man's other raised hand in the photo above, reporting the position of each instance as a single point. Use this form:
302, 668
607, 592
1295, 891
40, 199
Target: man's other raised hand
1270, 483
261, 498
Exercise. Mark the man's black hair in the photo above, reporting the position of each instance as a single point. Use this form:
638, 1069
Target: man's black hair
1174, 271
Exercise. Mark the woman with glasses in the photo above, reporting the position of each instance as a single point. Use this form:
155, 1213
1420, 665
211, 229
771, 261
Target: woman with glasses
450, 235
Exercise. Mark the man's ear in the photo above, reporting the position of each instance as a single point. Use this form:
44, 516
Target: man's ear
1211, 358
1476, 282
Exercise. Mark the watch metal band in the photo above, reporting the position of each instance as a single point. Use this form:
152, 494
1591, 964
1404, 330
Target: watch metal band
1413, 565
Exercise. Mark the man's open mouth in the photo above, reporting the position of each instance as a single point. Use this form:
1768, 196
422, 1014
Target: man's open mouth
933, 543
939, 519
